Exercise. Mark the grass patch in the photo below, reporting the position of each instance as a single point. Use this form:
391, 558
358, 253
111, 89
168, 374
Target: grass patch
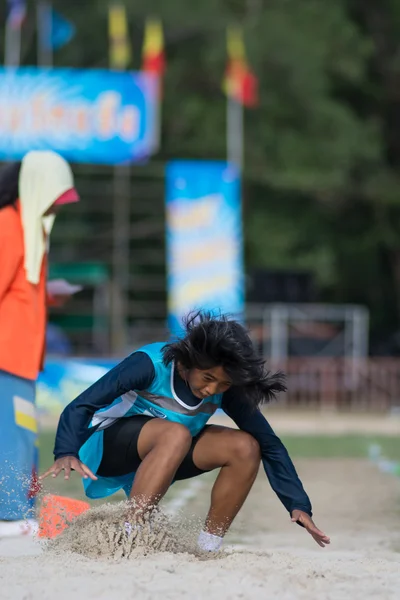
340, 446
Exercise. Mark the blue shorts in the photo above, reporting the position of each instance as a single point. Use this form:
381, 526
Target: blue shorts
18, 447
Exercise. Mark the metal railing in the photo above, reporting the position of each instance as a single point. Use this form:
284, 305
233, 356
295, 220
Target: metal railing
342, 384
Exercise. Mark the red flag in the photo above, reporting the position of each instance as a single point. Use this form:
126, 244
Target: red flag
240, 82
153, 48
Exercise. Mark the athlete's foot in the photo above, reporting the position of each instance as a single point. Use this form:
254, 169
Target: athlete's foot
139, 513
208, 542
129, 528
138, 518
20, 528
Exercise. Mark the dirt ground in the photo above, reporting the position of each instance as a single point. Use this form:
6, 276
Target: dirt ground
265, 556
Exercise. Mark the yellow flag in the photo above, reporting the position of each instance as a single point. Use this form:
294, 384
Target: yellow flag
153, 59
120, 49
235, 44
239, 83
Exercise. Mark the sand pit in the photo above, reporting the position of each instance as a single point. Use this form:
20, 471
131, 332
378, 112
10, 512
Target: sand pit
265, 556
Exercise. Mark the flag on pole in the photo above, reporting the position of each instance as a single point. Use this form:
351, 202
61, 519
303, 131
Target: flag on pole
119, 48
62, 31
16, 13
54, 32
240, 82
153, 58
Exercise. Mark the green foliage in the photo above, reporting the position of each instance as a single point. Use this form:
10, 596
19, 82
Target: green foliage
323, 147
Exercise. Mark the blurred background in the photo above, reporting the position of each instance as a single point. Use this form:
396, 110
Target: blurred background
289, 115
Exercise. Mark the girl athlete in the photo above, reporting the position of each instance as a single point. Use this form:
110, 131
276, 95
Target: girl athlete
143, 426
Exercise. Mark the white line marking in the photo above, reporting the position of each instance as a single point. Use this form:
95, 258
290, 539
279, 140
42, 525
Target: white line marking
175, 505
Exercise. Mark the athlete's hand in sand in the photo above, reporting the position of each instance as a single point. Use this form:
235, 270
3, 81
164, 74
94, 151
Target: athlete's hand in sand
68, 464
298, 516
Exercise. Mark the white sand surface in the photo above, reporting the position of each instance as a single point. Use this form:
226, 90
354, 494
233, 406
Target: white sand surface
265, 556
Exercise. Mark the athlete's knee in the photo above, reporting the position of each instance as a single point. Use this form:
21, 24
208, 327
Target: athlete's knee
176, 437
246, 448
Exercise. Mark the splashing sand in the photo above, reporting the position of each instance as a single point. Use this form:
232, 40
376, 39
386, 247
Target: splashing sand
100, 533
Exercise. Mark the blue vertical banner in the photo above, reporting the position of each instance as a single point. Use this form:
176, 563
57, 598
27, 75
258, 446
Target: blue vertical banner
204, 240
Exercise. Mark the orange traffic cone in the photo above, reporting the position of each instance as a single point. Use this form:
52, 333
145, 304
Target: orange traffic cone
57, 512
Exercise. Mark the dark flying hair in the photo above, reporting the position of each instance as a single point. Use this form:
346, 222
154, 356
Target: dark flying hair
220, 341
9, 177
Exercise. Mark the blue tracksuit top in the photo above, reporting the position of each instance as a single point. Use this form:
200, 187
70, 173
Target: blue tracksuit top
142, 384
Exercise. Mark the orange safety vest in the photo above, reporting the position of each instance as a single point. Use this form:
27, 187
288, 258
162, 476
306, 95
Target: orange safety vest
23, 310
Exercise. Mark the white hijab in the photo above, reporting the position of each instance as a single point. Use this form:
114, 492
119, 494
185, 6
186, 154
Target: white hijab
43, 178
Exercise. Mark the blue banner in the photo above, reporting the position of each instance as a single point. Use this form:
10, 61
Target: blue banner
89, 116
63, 379
204, 240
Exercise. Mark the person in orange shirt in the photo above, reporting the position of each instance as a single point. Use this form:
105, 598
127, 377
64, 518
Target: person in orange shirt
31, 192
